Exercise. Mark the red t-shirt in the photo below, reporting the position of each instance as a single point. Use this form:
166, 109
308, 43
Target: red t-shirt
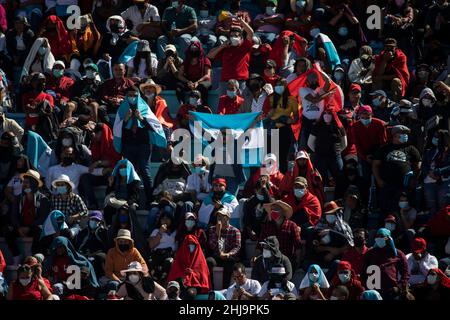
235, 61
194, 72
228, 105
370, 138
34, 99
62, 87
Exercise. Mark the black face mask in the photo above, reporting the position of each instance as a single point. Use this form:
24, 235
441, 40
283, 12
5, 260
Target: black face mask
313, 85
140, 5
359, 242
40, 87
276, 278
21, 170
114, 28
67, 161
195, 54
254, 86
124, 247
172, 295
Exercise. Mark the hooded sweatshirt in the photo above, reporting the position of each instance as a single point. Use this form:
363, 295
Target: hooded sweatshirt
117, 261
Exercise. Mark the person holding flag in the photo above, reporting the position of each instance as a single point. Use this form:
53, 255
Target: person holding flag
136, 129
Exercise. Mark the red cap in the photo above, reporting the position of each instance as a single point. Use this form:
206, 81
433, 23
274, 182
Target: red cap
365, 108
331, 207
390, 218
419, 245
221, 181
344, 265
355, 86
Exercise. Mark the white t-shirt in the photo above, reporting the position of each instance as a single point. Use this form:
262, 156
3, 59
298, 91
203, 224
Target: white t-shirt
16, 185
167, 240
143, 73
311, 111
275, 291
134, 15
251, 286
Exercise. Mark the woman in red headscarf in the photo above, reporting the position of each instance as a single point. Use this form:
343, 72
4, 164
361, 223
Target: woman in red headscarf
435, 287
195, 72
54, 30
102, 148
190, 265
303, 166
346, 276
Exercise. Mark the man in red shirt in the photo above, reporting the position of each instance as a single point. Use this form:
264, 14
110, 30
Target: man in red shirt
62, 86
355, 254
230, 102
32, 99
306, 206
235, 55
369, 134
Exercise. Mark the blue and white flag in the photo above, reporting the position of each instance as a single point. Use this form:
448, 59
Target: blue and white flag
330, 50
242, 126
157, 136
38, 152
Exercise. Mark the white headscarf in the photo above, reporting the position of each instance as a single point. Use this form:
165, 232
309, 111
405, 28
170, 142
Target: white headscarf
116, 36
49, 59
306, 282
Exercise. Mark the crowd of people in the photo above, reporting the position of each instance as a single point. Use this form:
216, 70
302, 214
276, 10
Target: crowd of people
354, 205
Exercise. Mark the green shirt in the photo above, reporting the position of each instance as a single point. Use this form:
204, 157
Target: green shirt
183, 19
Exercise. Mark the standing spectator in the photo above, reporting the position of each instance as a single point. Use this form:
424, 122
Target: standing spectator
168, 66
269, 24
113, 91
420, 261
231, 102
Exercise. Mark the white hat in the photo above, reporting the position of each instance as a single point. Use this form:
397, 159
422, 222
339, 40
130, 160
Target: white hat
132, 267
63, 178
301, 155
170, 47
189, 215
59, 62
124, 234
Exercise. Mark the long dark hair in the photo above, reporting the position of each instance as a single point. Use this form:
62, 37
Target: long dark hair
284, 96
148, 62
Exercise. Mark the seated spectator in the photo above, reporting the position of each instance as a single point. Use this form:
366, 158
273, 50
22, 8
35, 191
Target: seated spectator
269, 24
62, 255
271, 256
218, 199
242, 288
314, 285
27, 214
119, 257
225, 21
420, 262
355, 255
231, 102
206, 25
354, 212
300, 18
391, 72
33, 101
301, 65
194, 73
347, 278
27, 286
179, 22
194, 103
269, 174
287, 49
144, 65
53, 227
169, 65
197, 181
163, 246
18, 48
39, 59
224, 243
190, 266
436, 287
306, 207
278, 224
361, 69
10, 125
92, 241
123, 189
115, 39
140, 14
277, 286
138, 286
189, 227
174, 181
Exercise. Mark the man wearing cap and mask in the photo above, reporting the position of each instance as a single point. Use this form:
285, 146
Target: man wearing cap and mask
307, 208
235, 55
168, 66
278, 224
179, 22
395, 167
406, 115
420, 261
255, 93
382, 105
224, 245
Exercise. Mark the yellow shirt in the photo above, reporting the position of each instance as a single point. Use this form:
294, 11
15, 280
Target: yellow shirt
290, 110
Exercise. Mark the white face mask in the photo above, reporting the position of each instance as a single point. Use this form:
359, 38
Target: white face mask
427, 102
150, 96
66, 142
339, 76
279, 90
334, 298
192, 248
90, 74
25, 282
260, 197
380, 242
314, 277
194, 101
344, 277
267, 253
431, 279
235, 41
189, 224
327, 118
270, 10
134, 278
314, 32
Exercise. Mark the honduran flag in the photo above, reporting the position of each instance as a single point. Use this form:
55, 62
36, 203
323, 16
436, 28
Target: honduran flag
328, 46
334, 101
156, 135
129, 52
38, 152
238, 124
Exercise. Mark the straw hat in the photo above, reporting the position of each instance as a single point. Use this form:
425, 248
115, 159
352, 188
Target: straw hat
285, 208
124, 234
132, 267
33, 175
150, 83
63, 178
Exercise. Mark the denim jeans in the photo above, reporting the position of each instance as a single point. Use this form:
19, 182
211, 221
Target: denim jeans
182, 42
332, 164
305, 132
436, 196
139, 156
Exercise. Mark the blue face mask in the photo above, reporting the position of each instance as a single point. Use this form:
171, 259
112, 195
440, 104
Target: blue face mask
132, 100
403, 138
299, 193
301, 3
343, 31
260, 197
279, 90
93, 224
231, 94
380, 242
61, 190
123, 172
435, 141
199, 170
366, 122
376, 102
